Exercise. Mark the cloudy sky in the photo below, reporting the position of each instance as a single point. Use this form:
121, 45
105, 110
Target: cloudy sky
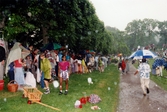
118, 13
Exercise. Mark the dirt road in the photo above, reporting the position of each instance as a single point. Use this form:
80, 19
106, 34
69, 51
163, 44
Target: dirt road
132, 99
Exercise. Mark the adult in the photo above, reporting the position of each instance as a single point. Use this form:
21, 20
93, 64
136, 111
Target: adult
144, 71
2, 61
34, 64
30, 48
19, 74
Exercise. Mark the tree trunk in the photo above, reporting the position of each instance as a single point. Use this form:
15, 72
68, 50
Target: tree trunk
45, 36
2, 23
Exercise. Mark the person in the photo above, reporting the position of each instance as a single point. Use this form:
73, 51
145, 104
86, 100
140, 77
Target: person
60, 55
50, 55
64, 67
19, 74
100, 65
2, 61
123, 66
71, 65
144, 71
31, 48
57, 62
46, 71
79, 64
96, 62
127, 66
84, 67
34, 65
11, 71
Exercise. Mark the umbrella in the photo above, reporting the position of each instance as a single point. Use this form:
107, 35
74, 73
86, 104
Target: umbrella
139, 54
51, 46
16, 52
92, 52
159, 62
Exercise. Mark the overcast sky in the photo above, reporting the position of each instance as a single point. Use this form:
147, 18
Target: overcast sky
118, 13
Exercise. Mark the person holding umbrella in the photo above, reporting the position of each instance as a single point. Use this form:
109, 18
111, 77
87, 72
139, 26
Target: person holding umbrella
144, 71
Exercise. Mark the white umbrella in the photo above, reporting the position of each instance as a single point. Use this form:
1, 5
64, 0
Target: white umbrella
16, 52
140, 54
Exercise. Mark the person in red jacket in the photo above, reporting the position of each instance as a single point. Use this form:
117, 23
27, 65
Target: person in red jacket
123, 65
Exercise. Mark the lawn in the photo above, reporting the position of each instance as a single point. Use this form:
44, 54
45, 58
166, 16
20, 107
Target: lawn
13, 102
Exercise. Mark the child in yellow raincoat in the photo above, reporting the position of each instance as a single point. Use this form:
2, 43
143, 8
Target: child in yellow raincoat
84, 67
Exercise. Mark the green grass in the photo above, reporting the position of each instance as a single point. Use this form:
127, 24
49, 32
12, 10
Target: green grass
159, 80
77, 85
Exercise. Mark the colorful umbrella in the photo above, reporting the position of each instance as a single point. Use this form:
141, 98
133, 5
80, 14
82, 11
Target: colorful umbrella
51, 46
159, 62
140, 54
92, 52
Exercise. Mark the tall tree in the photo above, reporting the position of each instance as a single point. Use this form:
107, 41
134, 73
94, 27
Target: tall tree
141, 32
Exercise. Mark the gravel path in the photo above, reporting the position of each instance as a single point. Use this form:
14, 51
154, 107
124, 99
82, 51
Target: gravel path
132, 99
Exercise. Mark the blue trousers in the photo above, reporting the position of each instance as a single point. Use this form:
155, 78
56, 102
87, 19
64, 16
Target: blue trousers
11, 75
42, 81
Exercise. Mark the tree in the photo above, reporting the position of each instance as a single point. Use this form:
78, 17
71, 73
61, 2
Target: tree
141, 32
119, 44
73, 23
162, 26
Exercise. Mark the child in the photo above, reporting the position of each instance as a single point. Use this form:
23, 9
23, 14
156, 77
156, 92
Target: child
84, 67
64, 66
46, 70
100, 64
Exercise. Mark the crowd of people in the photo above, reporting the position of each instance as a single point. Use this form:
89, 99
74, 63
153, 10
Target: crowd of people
42, 67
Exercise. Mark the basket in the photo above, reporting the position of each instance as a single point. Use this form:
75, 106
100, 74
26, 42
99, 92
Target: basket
12, 87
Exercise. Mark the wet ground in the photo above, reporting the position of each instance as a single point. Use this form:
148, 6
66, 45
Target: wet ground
132, 99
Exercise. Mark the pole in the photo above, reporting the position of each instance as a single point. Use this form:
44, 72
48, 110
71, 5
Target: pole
48, 106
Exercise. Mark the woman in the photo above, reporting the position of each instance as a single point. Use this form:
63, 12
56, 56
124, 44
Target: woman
46, 70
64, 67
19, 74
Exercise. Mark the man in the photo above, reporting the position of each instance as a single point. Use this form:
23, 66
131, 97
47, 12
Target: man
144, 70
2, 62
